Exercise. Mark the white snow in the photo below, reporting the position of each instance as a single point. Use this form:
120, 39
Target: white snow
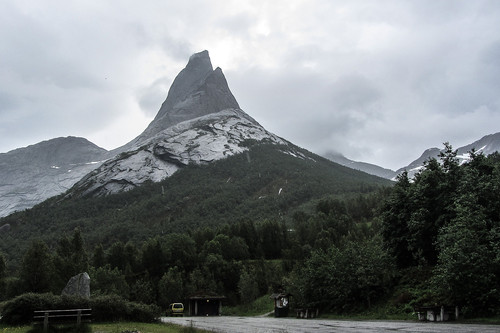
201, 140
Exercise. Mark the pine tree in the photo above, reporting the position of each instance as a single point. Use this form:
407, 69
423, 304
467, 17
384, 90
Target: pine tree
37, 269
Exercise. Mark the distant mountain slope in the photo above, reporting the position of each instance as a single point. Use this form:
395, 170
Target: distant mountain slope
371, 169
486, 145
32, 174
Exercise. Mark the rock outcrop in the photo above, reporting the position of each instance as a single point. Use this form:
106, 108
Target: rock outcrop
78, 285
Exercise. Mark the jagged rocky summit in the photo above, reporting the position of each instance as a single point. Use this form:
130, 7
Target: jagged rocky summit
199, 122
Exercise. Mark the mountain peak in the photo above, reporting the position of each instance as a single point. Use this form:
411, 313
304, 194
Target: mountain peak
199, 122
201, 57
198, 90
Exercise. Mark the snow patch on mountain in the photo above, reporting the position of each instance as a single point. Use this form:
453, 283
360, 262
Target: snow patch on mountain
201, 140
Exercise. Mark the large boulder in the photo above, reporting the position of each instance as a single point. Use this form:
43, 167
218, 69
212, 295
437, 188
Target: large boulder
78, 285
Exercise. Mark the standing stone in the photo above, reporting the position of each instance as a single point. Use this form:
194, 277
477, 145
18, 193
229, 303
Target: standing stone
78, 285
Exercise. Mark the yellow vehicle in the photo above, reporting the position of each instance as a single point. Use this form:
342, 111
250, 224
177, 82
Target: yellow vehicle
175, 309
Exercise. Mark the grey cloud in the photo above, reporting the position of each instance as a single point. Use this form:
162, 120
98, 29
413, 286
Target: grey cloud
151, 98
353, 92
489, 67
377, 81
238, 24
316, 113
7, 103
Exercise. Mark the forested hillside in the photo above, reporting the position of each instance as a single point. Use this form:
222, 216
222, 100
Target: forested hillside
338, 245
267, 182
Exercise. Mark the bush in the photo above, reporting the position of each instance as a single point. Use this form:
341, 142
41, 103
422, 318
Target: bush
115, 308
19, 310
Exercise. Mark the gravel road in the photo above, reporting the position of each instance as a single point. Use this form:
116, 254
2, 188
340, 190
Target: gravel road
291, 325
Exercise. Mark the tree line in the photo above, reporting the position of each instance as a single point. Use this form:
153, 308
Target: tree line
242, 260
446, 223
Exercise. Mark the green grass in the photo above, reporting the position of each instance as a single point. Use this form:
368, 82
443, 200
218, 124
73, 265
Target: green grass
260, 306
115, 328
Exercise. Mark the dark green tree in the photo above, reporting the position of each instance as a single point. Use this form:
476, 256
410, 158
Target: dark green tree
116, 256
3, 266
106, 281
99, 257
70, 258
341, 279
3, 273
468, 268
171, 287
273, 238
153, 259
143, 291
427, 200
396, 214
179, 250
200, 280
248, 288
37, 268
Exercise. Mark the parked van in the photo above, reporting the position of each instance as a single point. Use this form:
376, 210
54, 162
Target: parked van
175, 309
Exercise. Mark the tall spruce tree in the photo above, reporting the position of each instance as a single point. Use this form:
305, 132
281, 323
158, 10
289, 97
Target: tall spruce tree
37, 269
396, 214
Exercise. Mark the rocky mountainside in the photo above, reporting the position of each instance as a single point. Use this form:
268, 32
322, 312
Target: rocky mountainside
199, 122
32, 174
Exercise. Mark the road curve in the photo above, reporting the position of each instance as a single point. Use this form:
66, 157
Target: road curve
231, 324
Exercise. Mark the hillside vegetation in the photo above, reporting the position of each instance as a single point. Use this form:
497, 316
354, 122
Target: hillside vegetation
265, 183
266, 221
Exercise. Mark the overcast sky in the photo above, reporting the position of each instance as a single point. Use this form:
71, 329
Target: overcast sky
378, 81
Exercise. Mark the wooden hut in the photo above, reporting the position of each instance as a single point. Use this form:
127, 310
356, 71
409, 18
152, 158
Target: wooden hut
205, 305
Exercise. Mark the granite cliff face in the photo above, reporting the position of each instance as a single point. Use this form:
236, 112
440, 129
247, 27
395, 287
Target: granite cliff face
198, 90
32, 174
199, 122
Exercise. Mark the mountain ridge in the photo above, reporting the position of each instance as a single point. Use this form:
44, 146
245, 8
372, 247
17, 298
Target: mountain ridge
37, 172
488, 144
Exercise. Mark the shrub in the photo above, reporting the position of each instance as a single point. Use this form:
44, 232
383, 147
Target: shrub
19, 310
114, 308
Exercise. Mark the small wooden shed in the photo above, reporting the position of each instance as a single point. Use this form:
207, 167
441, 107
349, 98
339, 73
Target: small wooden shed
281, 304
204, 304
437, 313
